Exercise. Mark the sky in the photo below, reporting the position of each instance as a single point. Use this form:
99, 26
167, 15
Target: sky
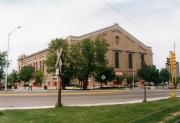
156, 23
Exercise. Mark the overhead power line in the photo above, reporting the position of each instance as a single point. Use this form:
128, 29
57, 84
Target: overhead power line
127, 18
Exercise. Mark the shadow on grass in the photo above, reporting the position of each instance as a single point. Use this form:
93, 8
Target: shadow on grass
1, 114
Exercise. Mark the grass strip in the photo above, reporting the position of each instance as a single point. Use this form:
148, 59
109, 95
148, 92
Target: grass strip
147, 112
158, 116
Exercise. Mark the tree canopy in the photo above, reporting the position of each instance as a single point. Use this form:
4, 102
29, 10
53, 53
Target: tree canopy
13, 77
164, 75
80, 60
39, 76
55, 45
89, 59
2, 64
26, 73
149, 73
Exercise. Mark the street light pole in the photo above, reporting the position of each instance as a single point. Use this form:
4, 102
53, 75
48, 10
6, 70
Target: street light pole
7, 60
134, 71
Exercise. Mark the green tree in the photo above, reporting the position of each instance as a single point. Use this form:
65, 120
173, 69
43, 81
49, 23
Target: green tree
2, 64
13, 77
55, 45
129, 80
119, 78
26, 73
155, 75
149, 73
101, 48
86, 57
177, 81
108, 72
94, 54
39, 77
164, 75
88, 52
77, 62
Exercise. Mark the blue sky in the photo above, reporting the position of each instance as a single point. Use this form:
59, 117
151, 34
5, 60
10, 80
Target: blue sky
154, 22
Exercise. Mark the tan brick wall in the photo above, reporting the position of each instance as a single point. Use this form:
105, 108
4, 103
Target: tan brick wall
124, 45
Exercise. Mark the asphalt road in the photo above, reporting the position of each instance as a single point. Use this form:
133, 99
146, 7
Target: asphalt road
79, 97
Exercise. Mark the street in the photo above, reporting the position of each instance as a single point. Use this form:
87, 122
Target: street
78, 98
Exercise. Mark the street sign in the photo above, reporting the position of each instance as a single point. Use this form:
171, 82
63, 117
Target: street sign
58, 61
118, 73
103, 77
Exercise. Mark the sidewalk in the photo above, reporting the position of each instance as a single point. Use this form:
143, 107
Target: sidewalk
23, 90
39, 91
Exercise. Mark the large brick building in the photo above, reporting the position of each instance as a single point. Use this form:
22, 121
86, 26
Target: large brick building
125, 53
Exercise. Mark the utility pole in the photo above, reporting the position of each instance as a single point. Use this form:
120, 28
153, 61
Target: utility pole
145, 99
134, 71
7, 59
175, 71
173, 68
58, 74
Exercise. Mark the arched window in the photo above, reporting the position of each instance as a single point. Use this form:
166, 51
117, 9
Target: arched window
40, 65
116, 59
142, 60
36, 68
130, 60
117, 39
43, 65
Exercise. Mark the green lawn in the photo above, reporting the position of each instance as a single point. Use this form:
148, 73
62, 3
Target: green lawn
135, 113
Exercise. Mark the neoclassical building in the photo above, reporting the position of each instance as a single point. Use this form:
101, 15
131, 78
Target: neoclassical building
125, 53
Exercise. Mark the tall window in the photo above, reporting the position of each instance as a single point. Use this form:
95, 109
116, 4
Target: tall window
117, 39
36, 68
43, 65
142, 60
130, 61
116, 59
40, 65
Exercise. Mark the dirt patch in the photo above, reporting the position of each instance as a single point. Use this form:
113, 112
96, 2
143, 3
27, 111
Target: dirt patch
171, 115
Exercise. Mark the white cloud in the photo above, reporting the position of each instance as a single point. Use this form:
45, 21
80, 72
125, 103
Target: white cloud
43, 20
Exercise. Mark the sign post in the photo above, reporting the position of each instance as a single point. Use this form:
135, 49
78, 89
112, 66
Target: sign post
58, 74
103, 77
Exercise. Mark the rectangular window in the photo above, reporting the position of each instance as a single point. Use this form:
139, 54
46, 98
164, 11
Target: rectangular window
116, 59
43, 65
130, 60
142, 60
40, 65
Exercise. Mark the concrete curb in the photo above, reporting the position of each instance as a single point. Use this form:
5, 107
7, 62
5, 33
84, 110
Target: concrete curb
17, 108
119, 103
83, 105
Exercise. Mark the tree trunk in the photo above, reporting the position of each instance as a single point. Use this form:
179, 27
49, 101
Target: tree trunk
62, 83
63, 86
59, 104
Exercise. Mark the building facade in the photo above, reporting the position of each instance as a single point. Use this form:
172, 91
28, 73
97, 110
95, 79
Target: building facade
37, 60
125, 53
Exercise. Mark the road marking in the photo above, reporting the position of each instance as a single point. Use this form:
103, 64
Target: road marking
64, 93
